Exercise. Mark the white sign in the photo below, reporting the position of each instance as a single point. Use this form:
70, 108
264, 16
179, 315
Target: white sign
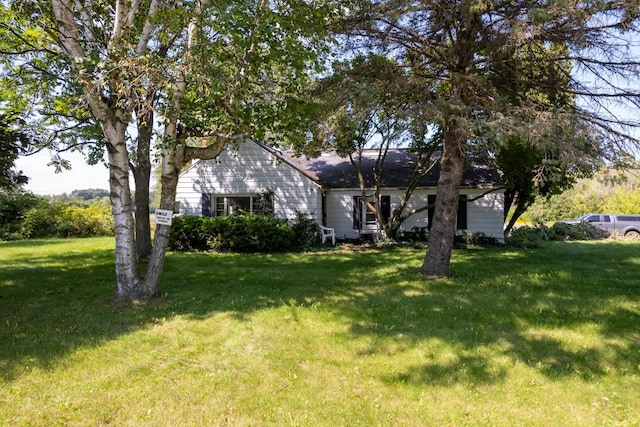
163, 216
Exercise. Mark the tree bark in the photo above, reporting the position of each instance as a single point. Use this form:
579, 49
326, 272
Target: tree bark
440, 244
521, 207
142, 176
127, 278
172, 161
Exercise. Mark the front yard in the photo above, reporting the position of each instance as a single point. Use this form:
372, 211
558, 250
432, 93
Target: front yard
354, 338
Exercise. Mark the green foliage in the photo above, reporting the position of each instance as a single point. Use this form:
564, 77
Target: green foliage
41, 221
190, 233
13, 207
532, 236
24, 215
462, 240
93, 220
61, 220
581, 231
527, 172
417, 234
251, 233
602, 193
242, 233
12, 144
84, 197
306, 231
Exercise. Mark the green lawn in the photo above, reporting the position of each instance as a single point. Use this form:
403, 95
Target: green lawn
340, 338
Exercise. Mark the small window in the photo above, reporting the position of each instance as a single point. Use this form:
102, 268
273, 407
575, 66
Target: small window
606, 218
363, 216
369, 216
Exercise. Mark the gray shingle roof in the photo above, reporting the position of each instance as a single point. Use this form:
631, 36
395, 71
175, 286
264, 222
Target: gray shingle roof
333, 171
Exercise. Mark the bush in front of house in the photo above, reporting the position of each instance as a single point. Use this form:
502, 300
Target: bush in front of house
251, 233
306, 231
415, 235
465, 239
190, 233
243, 233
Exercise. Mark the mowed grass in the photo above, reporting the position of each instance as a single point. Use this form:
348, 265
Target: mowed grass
339, 338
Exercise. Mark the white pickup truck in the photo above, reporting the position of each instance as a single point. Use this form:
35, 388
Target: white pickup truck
624, 225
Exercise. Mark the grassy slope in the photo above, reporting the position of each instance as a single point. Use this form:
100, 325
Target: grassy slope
514, 337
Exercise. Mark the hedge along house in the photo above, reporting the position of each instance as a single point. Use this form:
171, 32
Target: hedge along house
254, 178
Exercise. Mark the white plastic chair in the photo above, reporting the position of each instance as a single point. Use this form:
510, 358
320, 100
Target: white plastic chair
326, 232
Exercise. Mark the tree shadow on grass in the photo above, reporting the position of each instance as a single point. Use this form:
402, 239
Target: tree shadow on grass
537, 314
497, 310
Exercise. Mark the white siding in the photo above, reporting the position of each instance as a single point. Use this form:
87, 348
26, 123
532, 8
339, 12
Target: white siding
249, 169
483, 215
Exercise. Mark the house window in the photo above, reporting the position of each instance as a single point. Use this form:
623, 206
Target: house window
363, 216
461, 218
233, 205
369, 215
230, 205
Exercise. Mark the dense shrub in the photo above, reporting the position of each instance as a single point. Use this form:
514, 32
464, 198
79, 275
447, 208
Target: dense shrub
417, 234
306, 231
243, 233
13, 207
251, 233
421, 235
529, 236
24, 215
41, 221
188, 233
60, 220
92, 220
609, 191
580, 231
475, 239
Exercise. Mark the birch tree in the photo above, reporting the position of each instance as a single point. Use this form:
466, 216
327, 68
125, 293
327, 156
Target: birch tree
211, 73
462, 50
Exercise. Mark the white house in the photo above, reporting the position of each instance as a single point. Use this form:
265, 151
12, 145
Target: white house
252, 176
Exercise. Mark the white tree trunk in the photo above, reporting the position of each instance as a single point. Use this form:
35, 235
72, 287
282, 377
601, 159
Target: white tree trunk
127, 277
